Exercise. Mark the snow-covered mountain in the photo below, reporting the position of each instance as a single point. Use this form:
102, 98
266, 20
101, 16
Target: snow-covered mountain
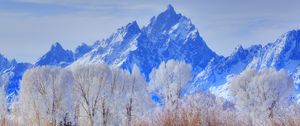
11, 72
81, 50
284, 53
113, 50
56, 56
220, 69
5, 63
169, 35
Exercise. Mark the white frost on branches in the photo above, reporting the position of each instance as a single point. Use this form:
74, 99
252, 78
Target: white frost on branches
260, 94
46, 96
169, 79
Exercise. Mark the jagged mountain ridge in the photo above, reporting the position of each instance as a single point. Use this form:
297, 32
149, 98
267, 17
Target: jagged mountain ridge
116, 46
168, 36
11, 73
5, 63
56, 56
282, 54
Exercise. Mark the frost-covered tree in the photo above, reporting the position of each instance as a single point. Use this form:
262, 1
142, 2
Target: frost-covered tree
92, 90
120, 79
136, 99
109, 96
169, 79
46, 96
259, 94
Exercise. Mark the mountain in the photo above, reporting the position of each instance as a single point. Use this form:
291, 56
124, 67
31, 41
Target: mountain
56, 56
81, 50
167, 36
14, 75
114, 49
5, 63
11, 72
284, 53
220, 69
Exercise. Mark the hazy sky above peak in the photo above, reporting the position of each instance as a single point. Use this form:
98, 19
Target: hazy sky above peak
29, 27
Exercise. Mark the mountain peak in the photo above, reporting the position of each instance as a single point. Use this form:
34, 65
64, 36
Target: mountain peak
132, 24
238, 48
56, 45
57, 55
123, 33
169, 12
289, 44
82, 49
132, 27
6, 63
163, 22
170, 8
238, 52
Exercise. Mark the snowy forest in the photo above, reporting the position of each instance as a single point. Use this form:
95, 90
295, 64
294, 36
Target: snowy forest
98, 95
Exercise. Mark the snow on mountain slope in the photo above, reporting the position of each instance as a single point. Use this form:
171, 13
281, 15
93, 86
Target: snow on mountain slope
56, 56
220, 69
284, 53
5, 63
14, 75
81, 50
168, 36
12, 72
115, 49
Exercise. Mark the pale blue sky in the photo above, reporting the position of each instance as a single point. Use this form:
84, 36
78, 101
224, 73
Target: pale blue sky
29, 27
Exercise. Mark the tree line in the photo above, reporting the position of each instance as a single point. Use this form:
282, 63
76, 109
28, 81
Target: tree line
98, 95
